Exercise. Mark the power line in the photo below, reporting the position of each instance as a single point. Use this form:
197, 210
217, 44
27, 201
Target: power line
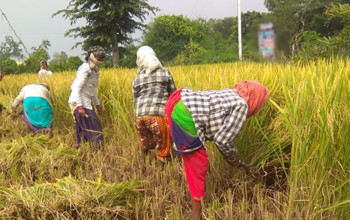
20, 40
198, 7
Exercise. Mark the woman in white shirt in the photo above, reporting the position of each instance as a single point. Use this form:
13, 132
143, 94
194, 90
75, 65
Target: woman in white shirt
83, 98
44, 71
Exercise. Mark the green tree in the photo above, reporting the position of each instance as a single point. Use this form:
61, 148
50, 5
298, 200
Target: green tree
73, 62
168, 35
304, 15
223, 26
313, 45
58, 61
8, 65
62, 56
11, 49
179, 40
194, 51
341, 40
228, 26
128, 56
61, 62
32, 64
109, 23
219, 43
45, 44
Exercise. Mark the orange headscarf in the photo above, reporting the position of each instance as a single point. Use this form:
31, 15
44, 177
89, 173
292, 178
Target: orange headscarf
254, 93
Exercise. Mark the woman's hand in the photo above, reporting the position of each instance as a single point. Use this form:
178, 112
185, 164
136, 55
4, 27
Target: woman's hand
13, 110
99, 109
81, 111
236, 162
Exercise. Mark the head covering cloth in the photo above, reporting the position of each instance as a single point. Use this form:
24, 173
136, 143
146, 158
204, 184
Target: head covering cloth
94, 53
97, 51
147, 60
254, 93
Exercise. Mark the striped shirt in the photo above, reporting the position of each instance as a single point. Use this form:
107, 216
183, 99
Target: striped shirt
218, 116
151, 92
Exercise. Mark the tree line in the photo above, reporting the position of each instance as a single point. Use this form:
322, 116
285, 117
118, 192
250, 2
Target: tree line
304, 30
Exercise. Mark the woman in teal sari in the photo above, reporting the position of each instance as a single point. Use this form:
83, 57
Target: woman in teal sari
37, 110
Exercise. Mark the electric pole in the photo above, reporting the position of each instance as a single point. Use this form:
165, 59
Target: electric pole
239, 30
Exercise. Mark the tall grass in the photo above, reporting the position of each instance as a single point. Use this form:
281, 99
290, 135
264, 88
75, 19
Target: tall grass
298, 142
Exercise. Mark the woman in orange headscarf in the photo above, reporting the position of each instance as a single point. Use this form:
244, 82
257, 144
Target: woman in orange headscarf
217, 115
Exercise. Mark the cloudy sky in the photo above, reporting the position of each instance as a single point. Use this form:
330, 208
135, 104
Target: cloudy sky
32, 20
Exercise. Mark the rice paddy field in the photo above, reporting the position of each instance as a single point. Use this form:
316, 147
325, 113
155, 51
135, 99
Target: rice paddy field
298, 145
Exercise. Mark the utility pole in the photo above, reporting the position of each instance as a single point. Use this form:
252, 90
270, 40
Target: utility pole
239, 30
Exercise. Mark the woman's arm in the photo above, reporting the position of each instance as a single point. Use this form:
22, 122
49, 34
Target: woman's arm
18, 100
229, 130
171, 87
78, 84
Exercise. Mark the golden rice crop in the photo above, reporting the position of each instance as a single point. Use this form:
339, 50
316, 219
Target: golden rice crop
298, 143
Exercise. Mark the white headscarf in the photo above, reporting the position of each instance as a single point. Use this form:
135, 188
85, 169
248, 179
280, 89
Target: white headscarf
147, 60
94, 63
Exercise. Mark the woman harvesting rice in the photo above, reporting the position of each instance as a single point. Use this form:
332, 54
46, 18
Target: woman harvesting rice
37, 110
84, 96
152, 87
218, 115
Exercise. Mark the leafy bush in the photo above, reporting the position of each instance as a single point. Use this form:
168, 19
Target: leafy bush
9, 66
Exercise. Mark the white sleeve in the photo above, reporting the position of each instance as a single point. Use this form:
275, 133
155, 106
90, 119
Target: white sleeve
18, 99
78, 84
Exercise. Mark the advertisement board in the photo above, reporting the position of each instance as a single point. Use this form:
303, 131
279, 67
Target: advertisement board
266, 36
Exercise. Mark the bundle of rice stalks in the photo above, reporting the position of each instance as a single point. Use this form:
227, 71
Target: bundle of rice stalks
34, 158
69, 198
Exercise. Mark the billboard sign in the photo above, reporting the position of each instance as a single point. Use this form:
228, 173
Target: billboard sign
266, 36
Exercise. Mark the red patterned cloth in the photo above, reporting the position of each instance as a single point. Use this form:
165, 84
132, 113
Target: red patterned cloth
153, 133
